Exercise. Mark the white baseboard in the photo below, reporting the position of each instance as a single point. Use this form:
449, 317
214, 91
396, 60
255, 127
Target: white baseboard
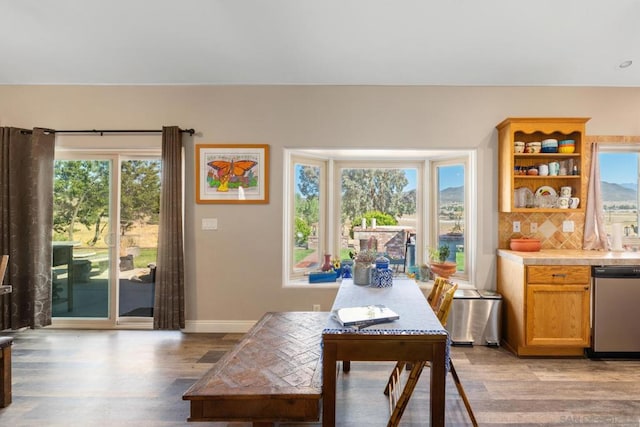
218, 326
124, 323
191, 326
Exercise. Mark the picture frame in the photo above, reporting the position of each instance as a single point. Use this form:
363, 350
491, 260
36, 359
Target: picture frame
232, 173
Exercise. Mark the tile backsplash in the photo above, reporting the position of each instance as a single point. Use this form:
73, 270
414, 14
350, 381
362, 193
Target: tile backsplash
549, 229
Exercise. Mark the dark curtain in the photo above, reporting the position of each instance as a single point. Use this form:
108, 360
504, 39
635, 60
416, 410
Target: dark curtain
26, 221
168, 308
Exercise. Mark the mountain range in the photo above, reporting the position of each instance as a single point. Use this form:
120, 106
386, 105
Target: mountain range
452, 195
611, 192
632, 185
618, 192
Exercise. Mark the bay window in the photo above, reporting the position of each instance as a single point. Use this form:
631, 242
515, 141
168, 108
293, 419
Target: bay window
398, 203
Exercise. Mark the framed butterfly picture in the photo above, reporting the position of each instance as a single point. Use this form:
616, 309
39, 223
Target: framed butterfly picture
232, 173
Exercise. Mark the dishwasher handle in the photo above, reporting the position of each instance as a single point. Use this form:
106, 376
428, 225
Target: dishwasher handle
616, 271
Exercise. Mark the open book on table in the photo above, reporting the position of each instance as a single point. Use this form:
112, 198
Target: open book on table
366, 315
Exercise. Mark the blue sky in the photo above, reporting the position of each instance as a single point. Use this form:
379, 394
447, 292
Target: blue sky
618, 168
450, 176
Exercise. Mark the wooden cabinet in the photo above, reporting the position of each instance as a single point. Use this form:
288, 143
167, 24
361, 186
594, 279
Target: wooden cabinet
546, 308
511, 164
557, 306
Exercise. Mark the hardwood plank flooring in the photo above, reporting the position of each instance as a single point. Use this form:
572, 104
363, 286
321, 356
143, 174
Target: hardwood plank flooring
136, 378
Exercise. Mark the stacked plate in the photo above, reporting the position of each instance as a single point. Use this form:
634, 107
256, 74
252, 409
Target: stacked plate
550, 146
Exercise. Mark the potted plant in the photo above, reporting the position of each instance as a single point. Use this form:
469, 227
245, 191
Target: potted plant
362, 266
438, 261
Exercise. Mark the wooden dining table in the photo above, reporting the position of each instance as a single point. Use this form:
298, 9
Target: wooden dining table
417, 335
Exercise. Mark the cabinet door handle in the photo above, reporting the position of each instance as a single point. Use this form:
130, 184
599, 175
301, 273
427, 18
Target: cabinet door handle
586, 288
559, 275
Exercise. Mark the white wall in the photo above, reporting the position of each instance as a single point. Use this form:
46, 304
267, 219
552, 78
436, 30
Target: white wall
234, 274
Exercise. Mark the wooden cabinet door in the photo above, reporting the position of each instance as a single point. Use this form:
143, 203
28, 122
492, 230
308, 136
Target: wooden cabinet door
557, 315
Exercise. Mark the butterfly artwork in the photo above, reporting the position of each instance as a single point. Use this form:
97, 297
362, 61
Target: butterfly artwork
233, 171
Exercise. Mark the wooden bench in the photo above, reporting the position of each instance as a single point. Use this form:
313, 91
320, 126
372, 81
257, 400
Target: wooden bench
5, 371
273, 374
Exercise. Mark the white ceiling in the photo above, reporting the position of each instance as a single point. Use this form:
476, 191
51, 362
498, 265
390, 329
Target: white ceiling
351, 42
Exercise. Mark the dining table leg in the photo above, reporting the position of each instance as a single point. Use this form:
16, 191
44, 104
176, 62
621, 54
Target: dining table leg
438, 384
329, 373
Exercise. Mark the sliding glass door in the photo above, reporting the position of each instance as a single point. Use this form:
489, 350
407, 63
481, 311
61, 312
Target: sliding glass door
106, 210
82, 238
138, 236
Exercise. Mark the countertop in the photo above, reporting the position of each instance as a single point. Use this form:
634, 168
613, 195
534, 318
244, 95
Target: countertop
571, 257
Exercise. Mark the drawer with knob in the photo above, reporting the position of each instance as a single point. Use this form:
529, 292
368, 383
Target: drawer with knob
560, 274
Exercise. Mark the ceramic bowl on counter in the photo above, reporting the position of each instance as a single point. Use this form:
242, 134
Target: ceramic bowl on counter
525, 244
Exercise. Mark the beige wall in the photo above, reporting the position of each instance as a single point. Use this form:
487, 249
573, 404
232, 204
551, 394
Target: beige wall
234, 274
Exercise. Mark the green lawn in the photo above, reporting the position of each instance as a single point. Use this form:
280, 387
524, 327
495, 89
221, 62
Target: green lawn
147, 255
299, 254
142, 260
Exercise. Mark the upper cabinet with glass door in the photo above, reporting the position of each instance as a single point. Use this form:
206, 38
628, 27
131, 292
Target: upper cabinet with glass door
541, 164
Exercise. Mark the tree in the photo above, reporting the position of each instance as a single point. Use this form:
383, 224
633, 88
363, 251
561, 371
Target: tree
306, 201
140, 195
365, 190
81, 194
309, 181
307, 208
370, 191
302, 231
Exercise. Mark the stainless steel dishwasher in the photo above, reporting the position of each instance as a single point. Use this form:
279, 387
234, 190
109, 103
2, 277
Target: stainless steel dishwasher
615, 311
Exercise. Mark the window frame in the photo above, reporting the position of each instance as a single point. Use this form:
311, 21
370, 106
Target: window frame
426, 162
468, 205
339, 165
621, 148
323, 238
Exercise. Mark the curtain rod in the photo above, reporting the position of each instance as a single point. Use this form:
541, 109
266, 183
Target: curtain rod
122, 131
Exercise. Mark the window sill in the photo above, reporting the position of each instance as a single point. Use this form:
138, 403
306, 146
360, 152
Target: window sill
303, 283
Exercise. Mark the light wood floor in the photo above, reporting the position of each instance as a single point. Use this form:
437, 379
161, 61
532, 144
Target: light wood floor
136, 378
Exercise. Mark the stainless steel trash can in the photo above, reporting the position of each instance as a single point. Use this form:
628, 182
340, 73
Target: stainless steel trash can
475, 317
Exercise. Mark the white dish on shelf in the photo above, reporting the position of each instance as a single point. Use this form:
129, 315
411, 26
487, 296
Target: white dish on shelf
545, 190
